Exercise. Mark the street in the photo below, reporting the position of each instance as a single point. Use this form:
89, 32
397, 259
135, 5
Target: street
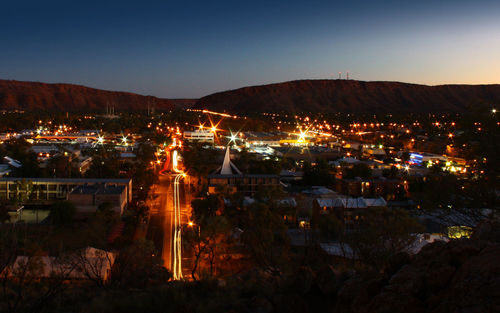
169, 211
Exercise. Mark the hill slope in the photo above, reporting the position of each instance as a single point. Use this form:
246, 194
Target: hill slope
350, 96
67, 97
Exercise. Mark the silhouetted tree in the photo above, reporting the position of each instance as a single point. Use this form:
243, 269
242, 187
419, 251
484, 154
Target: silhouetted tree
62, 212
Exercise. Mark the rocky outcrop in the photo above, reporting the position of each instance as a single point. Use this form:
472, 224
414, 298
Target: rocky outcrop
459, 276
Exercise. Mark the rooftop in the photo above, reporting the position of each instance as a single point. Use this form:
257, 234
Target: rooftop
68, 180
98, 189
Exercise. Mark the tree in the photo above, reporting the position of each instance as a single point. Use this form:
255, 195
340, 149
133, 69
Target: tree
193, 241
250, 163
199, 160
205, 208
106, 213
265, 236
358, 170
19, 149
139, 265
4, 213
329, 226
405, 156
25, 190
59, 166
391, 172
207, 239
318, 175
382, 233
105, 163
62, 212
21, 289
93, 264
269, 193
144, 177
145, 152
214, 236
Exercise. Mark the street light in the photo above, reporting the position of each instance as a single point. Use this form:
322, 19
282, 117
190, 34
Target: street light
232, 138
191, 224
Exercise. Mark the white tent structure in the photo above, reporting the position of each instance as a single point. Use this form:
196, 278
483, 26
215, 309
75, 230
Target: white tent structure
228, 167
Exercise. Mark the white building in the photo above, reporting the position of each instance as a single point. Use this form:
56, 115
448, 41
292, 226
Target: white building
199, 135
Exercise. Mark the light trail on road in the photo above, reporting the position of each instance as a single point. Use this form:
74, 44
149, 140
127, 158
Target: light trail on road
177, 236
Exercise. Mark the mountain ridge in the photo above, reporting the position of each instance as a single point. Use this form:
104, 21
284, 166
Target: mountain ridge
351, 96
25, 95
321, 95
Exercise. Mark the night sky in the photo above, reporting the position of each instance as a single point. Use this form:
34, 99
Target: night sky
190, 49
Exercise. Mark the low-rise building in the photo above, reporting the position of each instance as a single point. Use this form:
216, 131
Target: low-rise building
48, 190
347, 210
88, 198
4, 170
389, 189
199, 135
82, 265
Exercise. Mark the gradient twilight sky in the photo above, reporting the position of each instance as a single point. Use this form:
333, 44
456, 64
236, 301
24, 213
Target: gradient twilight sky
188, 48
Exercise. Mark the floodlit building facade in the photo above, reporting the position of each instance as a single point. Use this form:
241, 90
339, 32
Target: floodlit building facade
199, 135
48, 190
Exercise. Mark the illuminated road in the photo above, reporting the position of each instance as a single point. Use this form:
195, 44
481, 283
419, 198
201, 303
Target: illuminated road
176, 242
172, 205
160, 228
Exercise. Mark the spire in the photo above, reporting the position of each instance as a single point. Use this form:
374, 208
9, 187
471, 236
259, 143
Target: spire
227, 165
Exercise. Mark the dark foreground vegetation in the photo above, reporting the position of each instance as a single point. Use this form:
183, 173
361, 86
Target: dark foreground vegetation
459, 276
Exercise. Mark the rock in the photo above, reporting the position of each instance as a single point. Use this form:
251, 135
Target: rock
288, 303
353, 296
438, 277
462, 250
303, 280
409, 280
475, 287
396, 262
390, 302
328, 280
261, 305
488, 230
221, 282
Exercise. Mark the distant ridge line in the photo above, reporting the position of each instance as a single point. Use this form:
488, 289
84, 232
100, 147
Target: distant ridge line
351, 96
21, 95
